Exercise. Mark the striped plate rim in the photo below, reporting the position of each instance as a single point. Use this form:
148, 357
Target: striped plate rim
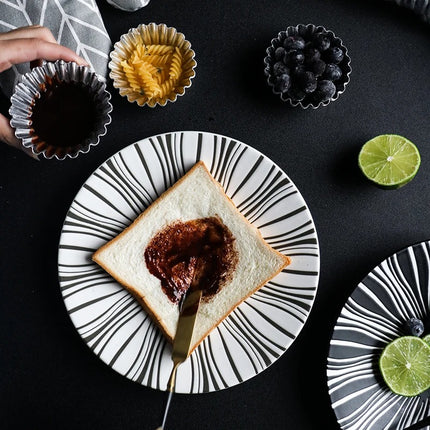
394, 291
111, 322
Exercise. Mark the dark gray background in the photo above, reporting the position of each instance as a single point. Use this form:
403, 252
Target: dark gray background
49, 378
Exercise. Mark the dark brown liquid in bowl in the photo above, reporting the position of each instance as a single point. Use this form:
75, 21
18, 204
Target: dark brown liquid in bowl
64, 115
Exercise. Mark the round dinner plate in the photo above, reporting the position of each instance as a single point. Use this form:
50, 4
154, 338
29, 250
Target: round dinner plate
373, 316
110, 320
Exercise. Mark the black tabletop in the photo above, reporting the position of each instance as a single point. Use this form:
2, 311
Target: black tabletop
50, 379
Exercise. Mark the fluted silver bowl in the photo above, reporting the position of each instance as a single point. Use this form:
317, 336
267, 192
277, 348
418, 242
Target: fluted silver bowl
29, 89
306, 31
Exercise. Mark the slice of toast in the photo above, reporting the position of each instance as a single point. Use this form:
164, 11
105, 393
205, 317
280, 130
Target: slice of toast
195, 196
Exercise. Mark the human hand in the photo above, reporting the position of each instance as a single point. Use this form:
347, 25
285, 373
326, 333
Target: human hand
29, 44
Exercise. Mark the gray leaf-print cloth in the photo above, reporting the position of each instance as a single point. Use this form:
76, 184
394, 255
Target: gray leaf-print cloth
76, 24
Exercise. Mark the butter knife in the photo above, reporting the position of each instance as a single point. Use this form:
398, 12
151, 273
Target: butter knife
182, 340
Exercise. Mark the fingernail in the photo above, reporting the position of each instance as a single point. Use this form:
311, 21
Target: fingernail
83, 63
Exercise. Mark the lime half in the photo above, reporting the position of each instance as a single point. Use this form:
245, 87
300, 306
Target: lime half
389, 160
426, 339
405, 365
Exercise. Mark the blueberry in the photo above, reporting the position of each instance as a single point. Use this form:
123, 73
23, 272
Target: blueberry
321, 41
317, 67
282, 83
292, 58
296, 94
414, 327
325, 90
279, 53
294, 42
311, 54
307, 82
332, 72
279, 68
334, 55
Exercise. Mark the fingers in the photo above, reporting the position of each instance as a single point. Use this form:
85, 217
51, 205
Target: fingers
7, 135
32, 44
33, 31
15, 51
6, 132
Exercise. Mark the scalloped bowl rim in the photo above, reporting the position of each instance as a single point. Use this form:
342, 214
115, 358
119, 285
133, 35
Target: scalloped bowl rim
270, 50
113, 63
17, 117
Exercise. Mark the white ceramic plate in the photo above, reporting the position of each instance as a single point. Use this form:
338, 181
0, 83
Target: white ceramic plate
109, 319
374, 315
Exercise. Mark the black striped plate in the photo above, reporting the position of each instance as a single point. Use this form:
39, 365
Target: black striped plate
112, 323
393, 292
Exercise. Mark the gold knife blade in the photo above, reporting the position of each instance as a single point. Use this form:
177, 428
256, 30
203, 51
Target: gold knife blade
184, 333
182, 340
186, 322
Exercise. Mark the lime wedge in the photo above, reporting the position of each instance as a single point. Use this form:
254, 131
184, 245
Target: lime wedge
389, 160
405, 366
426, 339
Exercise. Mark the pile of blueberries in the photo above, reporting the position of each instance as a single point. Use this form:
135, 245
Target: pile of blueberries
307, 68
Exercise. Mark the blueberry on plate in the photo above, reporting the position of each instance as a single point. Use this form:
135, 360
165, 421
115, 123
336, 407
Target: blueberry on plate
332, 72
307, 82
282, 83
334, 55
321, 41
414, 327
325, 90
294, 42
279, 68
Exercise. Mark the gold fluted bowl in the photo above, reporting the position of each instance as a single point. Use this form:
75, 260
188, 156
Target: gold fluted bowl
152, 65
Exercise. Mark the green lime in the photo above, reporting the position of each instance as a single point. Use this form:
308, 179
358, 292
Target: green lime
389, 160
405, 365
426, 339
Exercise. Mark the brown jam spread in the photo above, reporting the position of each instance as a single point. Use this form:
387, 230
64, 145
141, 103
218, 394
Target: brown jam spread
64, 115
197, 254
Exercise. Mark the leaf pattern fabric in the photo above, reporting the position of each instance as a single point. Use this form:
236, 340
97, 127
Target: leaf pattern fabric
76, 24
